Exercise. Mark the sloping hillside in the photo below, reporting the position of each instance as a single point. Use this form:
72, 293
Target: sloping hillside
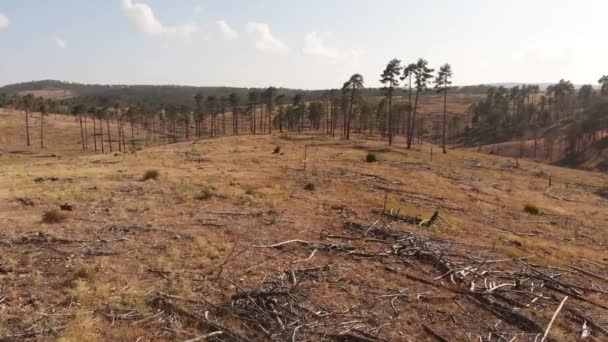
311, 243
593, 158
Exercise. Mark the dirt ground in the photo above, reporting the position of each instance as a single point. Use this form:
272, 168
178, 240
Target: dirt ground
234, 242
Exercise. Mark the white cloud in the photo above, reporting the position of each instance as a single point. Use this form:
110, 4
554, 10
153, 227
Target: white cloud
264, 40
146, 21
3, 21
61, 43
228, 33
314, 45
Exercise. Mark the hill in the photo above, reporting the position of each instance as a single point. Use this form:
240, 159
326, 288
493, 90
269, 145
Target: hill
309, 243
158, 94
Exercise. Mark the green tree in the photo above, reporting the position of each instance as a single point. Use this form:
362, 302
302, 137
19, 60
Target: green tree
352, 85
422, 76
408, 72
442, 82
27, 101
390, 79
561, 93
603, 81
585, 94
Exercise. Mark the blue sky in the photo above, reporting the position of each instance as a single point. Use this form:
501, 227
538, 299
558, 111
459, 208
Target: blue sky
304, 44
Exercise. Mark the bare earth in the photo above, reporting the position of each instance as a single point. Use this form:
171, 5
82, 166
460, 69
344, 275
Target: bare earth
208, 247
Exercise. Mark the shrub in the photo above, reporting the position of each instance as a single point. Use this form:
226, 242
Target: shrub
208, 193
309, 187
277, 150
531, 209
150, 174
371, 158
54, 216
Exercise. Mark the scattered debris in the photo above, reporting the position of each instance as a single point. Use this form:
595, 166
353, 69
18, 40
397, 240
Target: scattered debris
26, 201
53, 179
67, 206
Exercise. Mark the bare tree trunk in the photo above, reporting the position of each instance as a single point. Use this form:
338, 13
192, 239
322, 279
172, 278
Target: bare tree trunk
27, 126
84, 146
101, 135
269, 117
223, 121
413, 123
119, 136
409, 112
350, 113
95, 134
132, 136
445, 111
41, 130
109, 135
390, 116
86, 135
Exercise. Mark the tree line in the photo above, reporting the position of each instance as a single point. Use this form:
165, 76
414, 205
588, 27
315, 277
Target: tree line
572, 118
108, 126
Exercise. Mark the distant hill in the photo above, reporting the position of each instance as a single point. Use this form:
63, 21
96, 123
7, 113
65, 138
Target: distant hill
151, 94
155, 95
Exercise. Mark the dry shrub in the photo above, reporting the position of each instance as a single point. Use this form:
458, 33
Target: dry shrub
371, 158
531, 209
309, 187
53, 216
150, 174
277, 150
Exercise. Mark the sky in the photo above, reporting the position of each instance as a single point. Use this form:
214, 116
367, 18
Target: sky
309, 44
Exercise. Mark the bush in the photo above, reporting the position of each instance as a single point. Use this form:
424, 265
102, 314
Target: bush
531, 209
277, 150
371, 158
208, 193
54, 216
309, 187
150, 174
